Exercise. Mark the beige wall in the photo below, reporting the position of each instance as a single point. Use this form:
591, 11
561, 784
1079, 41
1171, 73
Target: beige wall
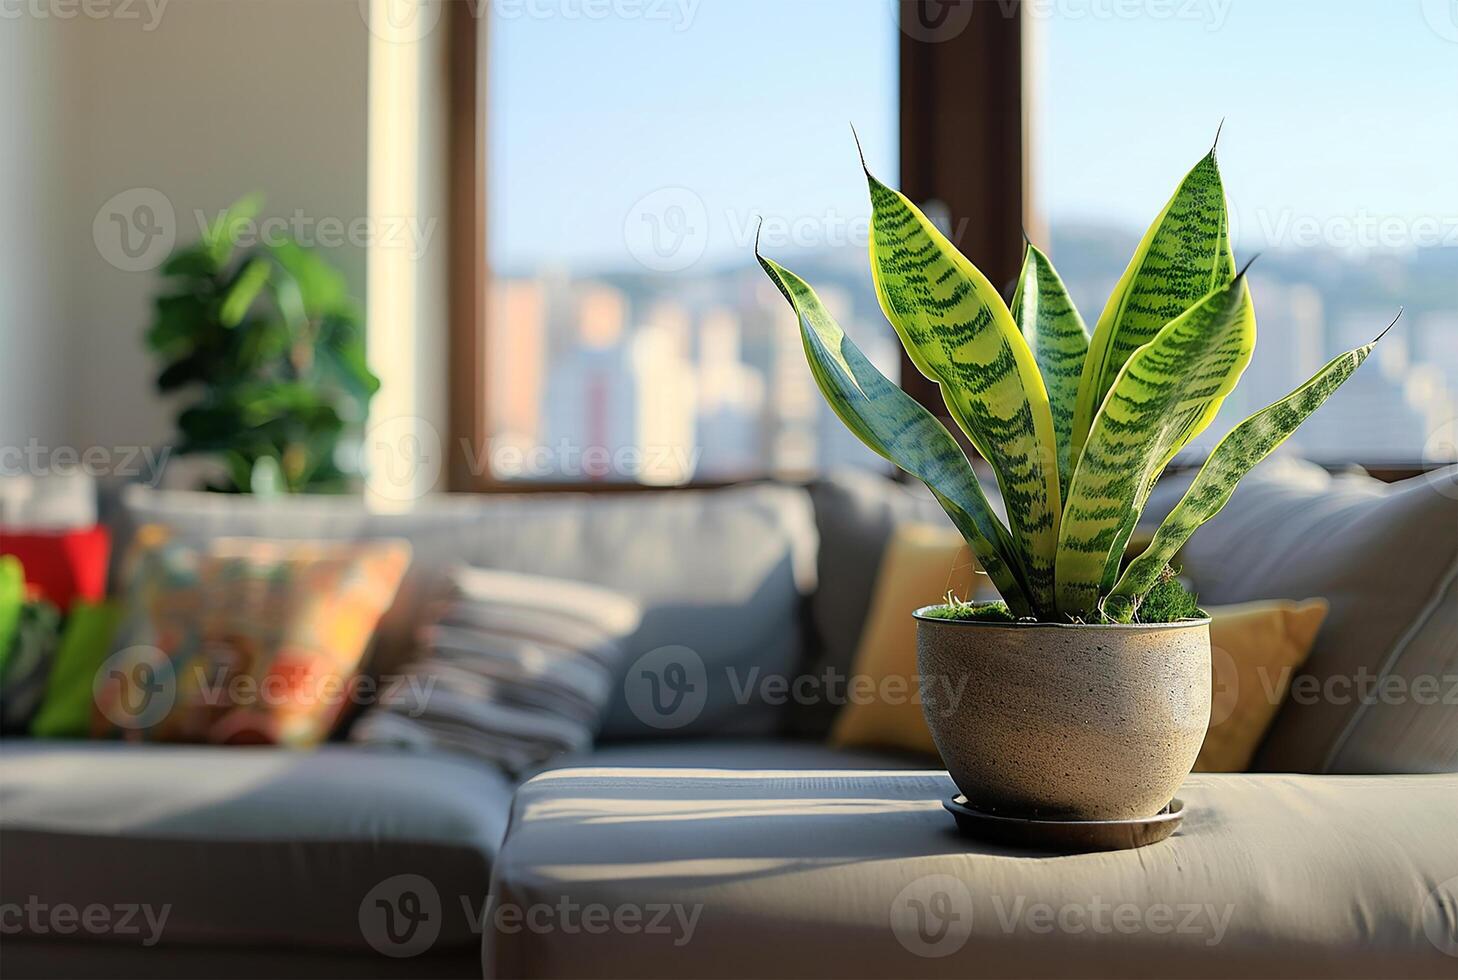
218, 98
33, 317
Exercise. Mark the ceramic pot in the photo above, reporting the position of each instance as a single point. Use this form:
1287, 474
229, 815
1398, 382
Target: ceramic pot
1066, 721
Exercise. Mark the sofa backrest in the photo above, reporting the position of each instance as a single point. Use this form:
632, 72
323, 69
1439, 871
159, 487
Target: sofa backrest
722, 575
1379, 693
856, 512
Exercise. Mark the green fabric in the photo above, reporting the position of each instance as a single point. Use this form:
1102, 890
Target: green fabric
23, 684
12, 598
85, 644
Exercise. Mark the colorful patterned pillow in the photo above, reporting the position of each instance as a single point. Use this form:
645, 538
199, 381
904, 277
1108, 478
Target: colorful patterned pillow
246, 641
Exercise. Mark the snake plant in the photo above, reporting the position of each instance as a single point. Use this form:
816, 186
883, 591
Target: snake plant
1076, 427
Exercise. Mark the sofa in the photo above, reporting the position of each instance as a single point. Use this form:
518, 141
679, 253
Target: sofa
262, 857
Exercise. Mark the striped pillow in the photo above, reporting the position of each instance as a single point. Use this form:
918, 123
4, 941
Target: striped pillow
512, 669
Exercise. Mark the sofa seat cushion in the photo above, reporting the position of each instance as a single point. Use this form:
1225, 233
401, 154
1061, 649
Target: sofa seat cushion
860, 874
739, 753
246, 845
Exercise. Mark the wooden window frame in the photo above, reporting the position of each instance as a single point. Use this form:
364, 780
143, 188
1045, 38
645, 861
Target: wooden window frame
468, 269
964, 137
963, 151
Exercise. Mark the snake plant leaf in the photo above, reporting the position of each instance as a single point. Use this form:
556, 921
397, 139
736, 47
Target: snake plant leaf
958, 331
1165, 395
1053, 329
897, 427
1183, 257
1246, 445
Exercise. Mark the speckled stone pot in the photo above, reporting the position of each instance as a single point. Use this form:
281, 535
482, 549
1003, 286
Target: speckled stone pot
1064, 721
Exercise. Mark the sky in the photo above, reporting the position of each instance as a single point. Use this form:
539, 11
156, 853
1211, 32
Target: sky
746, 104
1332, 108
698, 115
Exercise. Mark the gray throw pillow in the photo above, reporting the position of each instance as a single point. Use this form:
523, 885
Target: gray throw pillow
513, 669
1379, 693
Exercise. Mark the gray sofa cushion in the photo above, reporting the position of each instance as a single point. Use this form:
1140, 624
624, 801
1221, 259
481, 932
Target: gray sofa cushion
247, 846
737, 753
1380, 691
834, 874
721, 575
80, 959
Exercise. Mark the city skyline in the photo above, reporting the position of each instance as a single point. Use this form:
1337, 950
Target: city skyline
708, 361
650, 184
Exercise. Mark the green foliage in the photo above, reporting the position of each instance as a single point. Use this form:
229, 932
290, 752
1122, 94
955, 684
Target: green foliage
970, 612
270, 352
1150, 413
957, 331
891, 422
1167, 601
1077, 428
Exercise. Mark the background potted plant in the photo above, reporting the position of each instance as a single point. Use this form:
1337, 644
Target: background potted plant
272, 348
1088, 687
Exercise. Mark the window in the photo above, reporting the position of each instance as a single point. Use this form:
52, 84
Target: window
630, 338
629, 157
1338, 150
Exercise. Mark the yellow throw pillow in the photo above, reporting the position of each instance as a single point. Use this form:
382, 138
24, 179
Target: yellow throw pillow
1255, 649
922, 562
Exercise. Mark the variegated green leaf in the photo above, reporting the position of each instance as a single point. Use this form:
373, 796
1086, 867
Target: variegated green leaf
1246, 445
894, 425
1053, 329
959, 332
1184, 256
1165, 395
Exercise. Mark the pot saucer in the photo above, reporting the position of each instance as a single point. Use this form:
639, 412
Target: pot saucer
1066, 836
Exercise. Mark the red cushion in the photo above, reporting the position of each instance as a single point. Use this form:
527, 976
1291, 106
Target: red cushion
62, 565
